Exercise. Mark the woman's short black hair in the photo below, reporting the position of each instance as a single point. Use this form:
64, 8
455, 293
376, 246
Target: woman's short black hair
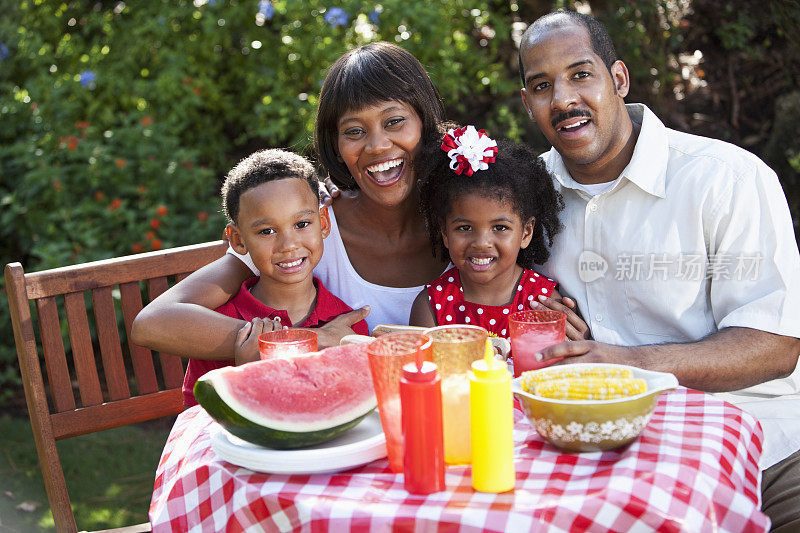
373, 73
262, 167
517, 176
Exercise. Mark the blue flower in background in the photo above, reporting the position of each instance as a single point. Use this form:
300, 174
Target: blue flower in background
88, 79
336, 16
373, 16
265, 9
3, 51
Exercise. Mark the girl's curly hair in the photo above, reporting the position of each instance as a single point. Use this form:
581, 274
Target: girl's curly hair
517, 175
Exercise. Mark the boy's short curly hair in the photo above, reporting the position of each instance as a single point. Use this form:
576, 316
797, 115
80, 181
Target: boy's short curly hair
262, 167
517, 175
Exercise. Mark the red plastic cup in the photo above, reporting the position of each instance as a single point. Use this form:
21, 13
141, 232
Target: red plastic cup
531, 332
286, 343
387, 355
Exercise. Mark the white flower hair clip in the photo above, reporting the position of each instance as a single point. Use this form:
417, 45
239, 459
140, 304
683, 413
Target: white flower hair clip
469, 149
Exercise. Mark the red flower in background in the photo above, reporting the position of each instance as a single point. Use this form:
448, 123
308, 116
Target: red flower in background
120, 162
82, 124
155, 223
70, 141
161, 210
99, 196
147, 120
202, 216
156, 244
115, 204
137, 247
150, 235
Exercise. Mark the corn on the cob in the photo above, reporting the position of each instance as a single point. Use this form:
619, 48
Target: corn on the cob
590, 388
532, 377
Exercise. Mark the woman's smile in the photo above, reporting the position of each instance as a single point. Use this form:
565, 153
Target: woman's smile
378, 144
387, 172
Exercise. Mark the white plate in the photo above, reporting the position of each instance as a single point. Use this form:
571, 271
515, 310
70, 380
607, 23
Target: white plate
357, 446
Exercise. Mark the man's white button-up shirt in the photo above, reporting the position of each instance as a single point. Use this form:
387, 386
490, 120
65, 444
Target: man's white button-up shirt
694, 236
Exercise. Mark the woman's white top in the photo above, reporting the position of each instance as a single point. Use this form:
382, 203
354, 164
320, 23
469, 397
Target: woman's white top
388, 305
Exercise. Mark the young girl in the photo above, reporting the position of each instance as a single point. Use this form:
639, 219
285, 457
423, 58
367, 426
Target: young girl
492, 210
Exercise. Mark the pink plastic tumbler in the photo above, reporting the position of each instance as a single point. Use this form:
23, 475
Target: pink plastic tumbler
286, 342
532, 331
387, 355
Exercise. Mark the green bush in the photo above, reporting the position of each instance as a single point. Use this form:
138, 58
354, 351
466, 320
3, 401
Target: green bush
117, 120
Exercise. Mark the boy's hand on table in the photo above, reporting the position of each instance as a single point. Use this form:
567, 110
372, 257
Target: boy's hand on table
577, 329
331, 333
246, 349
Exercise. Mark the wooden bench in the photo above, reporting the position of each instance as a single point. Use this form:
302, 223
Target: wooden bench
132, 390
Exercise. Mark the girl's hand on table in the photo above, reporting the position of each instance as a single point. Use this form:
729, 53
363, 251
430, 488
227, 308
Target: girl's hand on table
246, 349
327, 192
577, 329
331, 333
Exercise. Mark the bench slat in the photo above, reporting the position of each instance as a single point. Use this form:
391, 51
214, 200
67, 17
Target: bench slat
171, 365
122, 269
54, 358
82, 352
121, 412
105, 316
141, 357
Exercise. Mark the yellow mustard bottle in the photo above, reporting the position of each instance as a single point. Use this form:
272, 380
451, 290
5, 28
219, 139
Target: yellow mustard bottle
491, 424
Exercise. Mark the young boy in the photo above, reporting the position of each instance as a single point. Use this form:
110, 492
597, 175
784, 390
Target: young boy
271, 200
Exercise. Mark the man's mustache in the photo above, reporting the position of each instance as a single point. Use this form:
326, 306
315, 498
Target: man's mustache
572, 113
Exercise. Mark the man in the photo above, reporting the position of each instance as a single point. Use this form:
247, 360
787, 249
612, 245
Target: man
679, 250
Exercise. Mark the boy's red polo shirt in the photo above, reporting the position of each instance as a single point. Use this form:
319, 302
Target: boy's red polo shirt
245, 306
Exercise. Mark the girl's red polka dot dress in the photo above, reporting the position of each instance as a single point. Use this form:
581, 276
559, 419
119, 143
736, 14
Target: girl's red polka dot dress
446, 297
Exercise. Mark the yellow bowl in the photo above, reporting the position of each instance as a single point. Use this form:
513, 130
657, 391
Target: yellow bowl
594, 425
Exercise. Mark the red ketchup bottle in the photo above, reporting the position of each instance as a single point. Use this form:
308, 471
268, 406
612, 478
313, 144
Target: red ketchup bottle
423, 442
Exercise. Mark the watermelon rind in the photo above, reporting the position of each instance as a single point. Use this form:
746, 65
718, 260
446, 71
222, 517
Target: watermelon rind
259, 433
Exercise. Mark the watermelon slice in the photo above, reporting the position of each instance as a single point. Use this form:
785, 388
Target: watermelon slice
290, 403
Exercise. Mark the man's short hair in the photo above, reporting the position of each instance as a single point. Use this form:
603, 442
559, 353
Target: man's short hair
262, 167
598, 36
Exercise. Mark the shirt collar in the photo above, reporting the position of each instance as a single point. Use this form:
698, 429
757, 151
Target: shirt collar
249, 307
647, 168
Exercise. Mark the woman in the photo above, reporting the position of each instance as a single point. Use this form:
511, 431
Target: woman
377, 107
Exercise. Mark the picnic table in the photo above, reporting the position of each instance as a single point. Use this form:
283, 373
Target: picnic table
694, 468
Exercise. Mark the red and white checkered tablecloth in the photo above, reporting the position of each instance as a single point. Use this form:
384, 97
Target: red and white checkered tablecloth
694, 468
